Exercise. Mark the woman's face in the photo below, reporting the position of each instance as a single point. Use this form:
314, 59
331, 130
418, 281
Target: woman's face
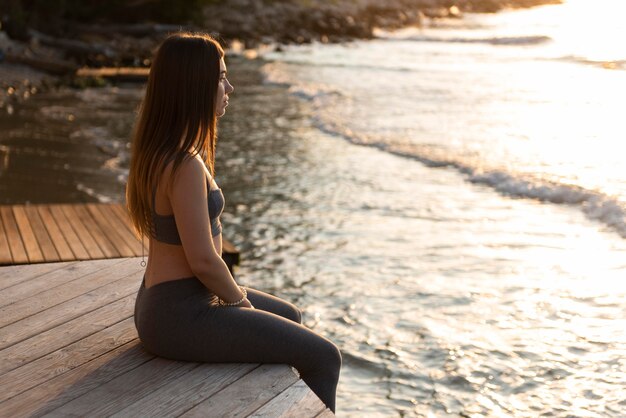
224, 88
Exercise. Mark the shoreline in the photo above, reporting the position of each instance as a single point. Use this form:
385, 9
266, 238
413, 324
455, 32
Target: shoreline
45, 60
70, 145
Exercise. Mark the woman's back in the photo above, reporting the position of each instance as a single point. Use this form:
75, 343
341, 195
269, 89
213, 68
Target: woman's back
166, 261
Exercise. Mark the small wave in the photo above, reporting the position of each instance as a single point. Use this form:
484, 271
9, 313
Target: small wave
57, 112
381, 66
309, 92
363, 361
91, 192
503, 40
594, 204
312, 93
272, 75
606, 64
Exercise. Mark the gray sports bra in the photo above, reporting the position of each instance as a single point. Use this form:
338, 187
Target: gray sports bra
165, 225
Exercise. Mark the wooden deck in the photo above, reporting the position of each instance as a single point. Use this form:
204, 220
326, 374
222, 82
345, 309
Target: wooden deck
65, 232
134, 74
69, 347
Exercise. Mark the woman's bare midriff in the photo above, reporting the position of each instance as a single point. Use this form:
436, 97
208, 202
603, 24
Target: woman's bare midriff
168, 262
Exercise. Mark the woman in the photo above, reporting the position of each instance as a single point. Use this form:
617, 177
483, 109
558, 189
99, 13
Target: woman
189, 307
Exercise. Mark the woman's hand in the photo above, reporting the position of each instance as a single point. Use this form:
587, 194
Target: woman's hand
245, 304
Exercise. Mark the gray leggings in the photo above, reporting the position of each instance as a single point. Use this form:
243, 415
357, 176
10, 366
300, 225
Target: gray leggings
181, 320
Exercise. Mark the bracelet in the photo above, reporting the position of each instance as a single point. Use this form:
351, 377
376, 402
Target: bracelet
245, 295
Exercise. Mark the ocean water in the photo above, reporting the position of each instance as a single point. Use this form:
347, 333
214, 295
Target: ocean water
469, 210
447, 204
527, 102
67, 146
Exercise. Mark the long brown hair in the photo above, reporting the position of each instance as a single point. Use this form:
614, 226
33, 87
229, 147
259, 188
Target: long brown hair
177, 114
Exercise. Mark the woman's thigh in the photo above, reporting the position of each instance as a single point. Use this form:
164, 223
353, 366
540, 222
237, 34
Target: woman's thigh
266, 302
245, 335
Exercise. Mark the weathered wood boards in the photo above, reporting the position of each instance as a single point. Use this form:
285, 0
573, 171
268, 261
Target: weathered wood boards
66, 232
135, 74
69, 347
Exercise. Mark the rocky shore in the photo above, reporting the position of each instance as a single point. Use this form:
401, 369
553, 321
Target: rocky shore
260, 21
42, 57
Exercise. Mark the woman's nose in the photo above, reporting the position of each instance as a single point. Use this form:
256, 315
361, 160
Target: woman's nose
230, 88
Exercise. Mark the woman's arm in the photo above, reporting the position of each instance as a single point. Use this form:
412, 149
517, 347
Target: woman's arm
188, 196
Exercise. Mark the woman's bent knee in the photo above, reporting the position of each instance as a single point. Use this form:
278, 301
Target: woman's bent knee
296, 315
292, 313
337, 356
332, 359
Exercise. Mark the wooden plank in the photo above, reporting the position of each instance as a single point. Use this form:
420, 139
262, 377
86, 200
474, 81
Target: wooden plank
16, 294
41, 234
18, 251
125, 389
65, 359
86, 294
66, 333
326, 413
115, 73
5, 251
77, 247
122, 227
58, 240
44, 398
11, 275
104, 221
81, 231
28, 236
179, 395
99, 235
297, 400
272, 378
123, 216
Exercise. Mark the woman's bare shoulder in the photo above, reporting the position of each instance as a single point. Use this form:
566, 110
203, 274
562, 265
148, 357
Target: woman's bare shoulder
190, 168
188, 164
